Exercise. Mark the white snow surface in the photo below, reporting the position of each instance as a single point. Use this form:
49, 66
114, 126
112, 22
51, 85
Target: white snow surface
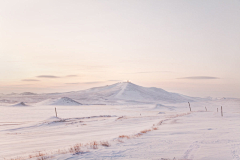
181, 134
137, 123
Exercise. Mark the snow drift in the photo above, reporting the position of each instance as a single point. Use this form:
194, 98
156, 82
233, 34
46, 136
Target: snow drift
20, 104
161, 107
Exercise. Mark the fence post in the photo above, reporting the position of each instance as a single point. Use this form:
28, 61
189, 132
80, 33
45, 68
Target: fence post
190, 107
221, 111
56, 111
206, 109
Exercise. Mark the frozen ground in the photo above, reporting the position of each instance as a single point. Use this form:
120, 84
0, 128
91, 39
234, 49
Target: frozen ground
171, 131
132, 122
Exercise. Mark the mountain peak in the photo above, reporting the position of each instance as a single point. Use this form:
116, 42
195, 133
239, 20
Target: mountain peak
128, 91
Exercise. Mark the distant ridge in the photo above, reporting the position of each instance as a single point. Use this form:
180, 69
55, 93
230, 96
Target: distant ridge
28, 93
63, 101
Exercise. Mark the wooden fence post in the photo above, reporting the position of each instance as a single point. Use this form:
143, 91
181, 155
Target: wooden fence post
221, 111
56, 111
206, 109
190, 107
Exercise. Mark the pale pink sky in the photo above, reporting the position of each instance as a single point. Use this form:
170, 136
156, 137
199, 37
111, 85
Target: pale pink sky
189, 47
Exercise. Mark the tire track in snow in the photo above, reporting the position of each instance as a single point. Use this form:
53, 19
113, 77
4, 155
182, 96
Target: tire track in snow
235, 151
192, 148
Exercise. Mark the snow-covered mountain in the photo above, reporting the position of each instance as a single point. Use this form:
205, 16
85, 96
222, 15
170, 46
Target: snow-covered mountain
118, 93
129, 92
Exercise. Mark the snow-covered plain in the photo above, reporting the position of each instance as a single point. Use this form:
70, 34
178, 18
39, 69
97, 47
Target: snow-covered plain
130, 124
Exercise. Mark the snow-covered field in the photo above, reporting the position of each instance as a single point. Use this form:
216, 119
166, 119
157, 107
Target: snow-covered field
31, 130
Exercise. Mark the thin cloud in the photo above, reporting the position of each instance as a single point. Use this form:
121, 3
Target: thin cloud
52, 76
30, 80
199, 77
47, 76
16, 85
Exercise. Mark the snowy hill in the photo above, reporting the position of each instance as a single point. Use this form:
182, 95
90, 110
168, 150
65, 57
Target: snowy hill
63, 101
20, 104
129, 92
